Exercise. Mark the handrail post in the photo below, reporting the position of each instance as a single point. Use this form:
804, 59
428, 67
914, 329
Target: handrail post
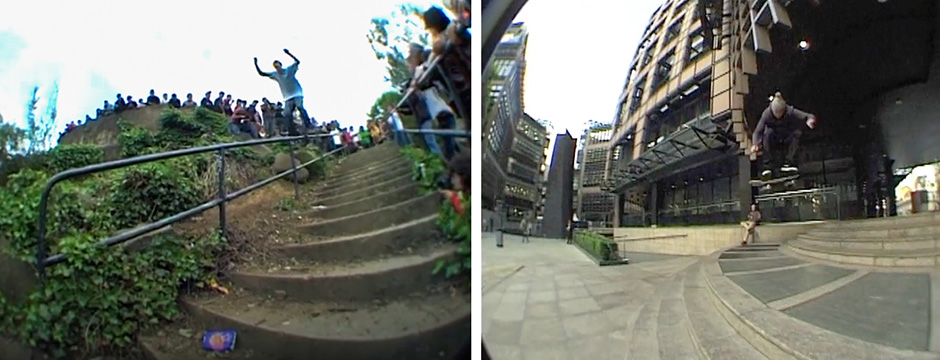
293, 166
222, 194
41, 233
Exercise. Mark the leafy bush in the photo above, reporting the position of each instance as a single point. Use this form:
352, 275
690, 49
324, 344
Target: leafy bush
426, 169
456, 227
137, 141
596, 244
65, 157
152, 191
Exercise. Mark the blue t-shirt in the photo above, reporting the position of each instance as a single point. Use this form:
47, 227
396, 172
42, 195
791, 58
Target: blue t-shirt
290, 87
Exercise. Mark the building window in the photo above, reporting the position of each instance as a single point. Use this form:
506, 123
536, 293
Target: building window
648, 57
681, 5
673, 31
696, 46
664, 68
637, 94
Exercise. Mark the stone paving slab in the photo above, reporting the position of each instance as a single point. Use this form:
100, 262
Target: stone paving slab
736, 266
560, 305
891, 309
772, 286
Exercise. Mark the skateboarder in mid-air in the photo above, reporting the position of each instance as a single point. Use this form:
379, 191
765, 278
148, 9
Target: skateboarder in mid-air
290, 89
779, 130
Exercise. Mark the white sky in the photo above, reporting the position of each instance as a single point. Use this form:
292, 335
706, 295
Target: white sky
99, 48
578, 56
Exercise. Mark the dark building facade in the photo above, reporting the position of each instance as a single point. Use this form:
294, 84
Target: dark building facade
701, 78
559, 187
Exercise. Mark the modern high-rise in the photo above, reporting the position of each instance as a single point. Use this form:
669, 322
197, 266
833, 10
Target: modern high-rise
592, 203
701, 77
559, 187
514, 142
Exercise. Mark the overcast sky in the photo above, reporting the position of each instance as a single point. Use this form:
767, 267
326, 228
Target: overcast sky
578, 56
99, 48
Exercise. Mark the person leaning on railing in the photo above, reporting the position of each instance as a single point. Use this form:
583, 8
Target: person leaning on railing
451, 42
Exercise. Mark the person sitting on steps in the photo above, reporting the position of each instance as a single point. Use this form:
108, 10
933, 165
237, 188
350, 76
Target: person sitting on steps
780, 125
750, 225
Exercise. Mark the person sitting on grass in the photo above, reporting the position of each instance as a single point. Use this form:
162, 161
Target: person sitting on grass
750, 225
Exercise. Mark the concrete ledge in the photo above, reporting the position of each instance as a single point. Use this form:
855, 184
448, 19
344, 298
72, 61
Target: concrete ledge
892, 222
875, 258
701, 240
779, 336
891, 244
395, 278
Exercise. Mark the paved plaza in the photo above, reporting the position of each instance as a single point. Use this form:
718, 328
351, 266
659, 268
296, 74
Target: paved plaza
547, 300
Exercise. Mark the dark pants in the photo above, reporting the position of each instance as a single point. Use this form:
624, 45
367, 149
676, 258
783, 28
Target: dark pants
446, 121
297, 103
246, 127
780, 137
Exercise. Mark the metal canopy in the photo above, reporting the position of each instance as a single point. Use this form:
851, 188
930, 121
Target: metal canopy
694, 137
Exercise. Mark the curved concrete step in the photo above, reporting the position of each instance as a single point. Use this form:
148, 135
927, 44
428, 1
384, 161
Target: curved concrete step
391, 240
377, 188
376, 219
912, 243
390, 197
889, 222
932, 229
712, 335
387, 278
672, 322
780, 336
352, 185
432, 325
365, 172
878, 258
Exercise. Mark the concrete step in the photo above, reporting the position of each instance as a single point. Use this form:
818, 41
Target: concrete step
376, 219
391, 240
380, 200
866, 257
367, 158
352, 185
932, 229
910, 243
430, 325
750, 254
365, 173
780, 336
366, 192
888, 222
672, 323
387, 278
713, 336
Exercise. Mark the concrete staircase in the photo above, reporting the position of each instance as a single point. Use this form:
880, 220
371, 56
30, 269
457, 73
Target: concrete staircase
357, 286
910, 241
772, 327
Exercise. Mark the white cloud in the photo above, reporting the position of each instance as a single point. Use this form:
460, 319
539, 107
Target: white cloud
578, 56
98, 48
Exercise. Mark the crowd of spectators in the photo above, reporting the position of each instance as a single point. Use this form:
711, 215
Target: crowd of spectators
439, 91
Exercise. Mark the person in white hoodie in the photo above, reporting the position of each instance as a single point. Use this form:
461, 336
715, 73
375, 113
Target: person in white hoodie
437, 107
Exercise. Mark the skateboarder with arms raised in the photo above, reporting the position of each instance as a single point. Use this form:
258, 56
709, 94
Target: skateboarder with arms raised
779, 130
290, 89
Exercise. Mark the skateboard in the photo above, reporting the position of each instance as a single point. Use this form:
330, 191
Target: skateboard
789, 181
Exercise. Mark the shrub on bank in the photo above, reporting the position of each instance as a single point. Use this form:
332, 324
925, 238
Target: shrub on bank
598, 245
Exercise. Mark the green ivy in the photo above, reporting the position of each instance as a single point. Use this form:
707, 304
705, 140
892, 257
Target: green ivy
456, 227
426, 168
152, 191
65, 157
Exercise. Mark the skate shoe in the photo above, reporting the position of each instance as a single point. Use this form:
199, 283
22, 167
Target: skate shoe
788, 169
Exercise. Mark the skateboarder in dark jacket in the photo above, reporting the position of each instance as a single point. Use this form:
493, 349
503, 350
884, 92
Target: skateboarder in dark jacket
780, 125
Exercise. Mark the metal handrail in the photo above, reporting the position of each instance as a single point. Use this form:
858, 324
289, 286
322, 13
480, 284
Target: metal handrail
42, 260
